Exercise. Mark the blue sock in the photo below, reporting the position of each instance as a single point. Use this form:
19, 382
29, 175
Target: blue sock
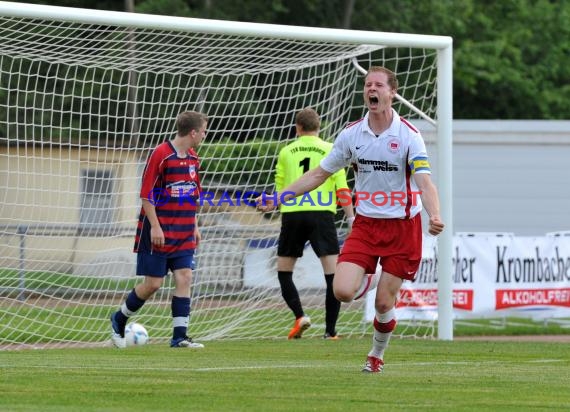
128, 309
180, 316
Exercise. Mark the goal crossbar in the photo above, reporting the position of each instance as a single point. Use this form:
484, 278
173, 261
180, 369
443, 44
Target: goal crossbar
103, 17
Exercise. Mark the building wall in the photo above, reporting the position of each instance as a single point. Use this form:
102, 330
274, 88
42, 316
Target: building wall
508, 176
42, 186
41, 192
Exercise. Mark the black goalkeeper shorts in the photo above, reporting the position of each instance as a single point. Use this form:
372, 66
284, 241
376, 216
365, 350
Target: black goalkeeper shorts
299, 227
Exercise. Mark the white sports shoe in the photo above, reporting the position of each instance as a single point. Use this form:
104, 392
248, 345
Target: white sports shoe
118, 340
370, 281
185, 342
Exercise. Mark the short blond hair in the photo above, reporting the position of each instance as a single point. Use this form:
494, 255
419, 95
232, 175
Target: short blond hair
392, 79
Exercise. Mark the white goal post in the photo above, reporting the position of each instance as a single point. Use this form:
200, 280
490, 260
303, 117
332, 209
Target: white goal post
86, 94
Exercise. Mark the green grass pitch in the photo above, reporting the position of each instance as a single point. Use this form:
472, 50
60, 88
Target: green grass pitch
309, 374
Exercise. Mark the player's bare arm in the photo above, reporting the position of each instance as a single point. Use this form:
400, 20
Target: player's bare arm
348, 212
430, 200
156, 233
197, 234
309, 181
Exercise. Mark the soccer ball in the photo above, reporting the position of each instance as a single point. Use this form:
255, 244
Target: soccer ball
136, 334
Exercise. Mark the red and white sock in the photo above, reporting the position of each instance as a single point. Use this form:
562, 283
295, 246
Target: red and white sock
384, 325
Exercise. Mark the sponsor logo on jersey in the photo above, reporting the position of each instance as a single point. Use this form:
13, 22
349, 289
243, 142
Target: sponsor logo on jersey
181, 189
381, 165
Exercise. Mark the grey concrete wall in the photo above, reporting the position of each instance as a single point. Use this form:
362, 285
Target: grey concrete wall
508, 176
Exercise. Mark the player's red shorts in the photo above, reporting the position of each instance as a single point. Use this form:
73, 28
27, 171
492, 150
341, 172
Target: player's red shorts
396, 242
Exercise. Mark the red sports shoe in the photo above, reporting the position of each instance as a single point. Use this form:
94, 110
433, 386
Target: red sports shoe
373, 365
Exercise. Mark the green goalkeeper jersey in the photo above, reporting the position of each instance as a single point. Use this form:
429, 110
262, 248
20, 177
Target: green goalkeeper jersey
294, 160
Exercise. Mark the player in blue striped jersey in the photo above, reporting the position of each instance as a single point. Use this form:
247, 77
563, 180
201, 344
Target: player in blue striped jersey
167, 231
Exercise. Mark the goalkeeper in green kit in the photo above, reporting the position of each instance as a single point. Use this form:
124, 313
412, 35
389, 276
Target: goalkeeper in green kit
310, 217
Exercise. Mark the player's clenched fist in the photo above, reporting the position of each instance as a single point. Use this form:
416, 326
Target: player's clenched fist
435, 226
265, 204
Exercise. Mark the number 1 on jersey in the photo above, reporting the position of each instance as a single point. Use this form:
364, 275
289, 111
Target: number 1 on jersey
305, 164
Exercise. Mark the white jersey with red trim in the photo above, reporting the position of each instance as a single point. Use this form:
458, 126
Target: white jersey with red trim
384, 166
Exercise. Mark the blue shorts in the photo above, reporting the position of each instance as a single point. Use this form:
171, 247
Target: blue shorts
158, 266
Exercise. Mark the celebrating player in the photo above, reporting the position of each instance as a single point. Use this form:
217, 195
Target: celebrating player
390, 156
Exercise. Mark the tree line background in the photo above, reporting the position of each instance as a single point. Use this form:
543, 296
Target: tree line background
511, 57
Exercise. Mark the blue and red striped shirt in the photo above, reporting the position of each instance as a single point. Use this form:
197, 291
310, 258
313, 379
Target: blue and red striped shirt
171, 183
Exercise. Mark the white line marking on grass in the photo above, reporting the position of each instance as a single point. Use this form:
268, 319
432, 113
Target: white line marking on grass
491, 362
545, 360
282, 366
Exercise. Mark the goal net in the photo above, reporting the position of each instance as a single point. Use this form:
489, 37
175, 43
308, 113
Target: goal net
86, 95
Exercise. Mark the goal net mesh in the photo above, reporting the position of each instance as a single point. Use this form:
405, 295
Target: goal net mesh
82, 106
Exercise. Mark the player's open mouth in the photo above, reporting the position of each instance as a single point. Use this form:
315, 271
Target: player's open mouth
373, 100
